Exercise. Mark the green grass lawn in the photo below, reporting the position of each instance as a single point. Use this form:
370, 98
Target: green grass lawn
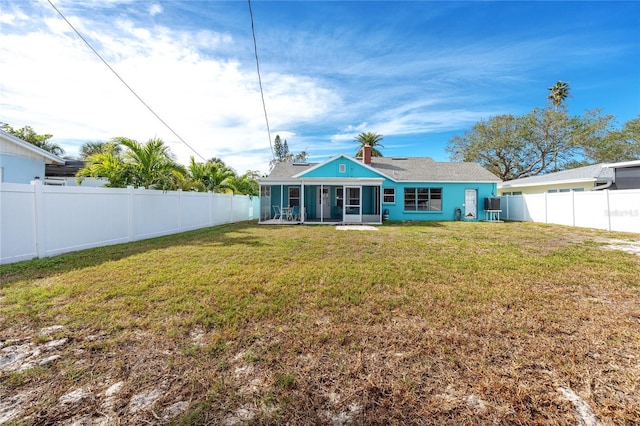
456, 323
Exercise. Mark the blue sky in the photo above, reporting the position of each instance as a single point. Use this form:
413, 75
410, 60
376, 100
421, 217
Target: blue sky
416, 72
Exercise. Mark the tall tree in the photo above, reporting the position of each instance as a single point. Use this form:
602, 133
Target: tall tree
372, 139
27, 134
558, 93
280, 149
283, 155
544, 140
277, 148
617, 145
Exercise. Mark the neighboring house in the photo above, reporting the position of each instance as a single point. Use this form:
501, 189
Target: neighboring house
22, 162
344, 189
588, 178
626, 175
65, 175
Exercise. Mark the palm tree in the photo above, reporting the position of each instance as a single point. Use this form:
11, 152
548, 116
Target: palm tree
372, 139
105, 165
221, 176
558, 93
150, 165
198, 179
213, 176
247, 184
90, 148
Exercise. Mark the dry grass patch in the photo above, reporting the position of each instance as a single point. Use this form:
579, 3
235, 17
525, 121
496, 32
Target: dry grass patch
457, 323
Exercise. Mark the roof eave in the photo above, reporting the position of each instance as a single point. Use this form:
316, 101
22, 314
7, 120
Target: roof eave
552, 182
30, 147
632, 163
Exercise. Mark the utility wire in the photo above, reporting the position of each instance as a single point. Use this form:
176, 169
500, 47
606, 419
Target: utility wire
264, 105
124, 82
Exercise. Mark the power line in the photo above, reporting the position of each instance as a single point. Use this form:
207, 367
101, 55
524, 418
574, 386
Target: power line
124, 82
264, 105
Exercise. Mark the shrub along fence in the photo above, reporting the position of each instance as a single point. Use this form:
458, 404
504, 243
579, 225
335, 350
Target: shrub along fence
617, 210
39, 221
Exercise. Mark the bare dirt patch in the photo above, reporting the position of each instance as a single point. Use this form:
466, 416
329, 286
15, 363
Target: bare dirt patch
356, 228
100, 401
632, 247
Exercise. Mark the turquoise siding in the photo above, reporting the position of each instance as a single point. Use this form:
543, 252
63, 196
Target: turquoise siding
452, 198
352, 168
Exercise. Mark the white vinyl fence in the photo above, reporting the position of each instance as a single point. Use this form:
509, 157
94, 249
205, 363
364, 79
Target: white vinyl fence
611, 210
40, 221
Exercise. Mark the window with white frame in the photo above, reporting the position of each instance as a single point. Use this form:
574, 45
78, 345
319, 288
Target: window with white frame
389, 195
294, 196
423, 199
342, 168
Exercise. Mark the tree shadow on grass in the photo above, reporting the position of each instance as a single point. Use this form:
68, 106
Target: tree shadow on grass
233, 234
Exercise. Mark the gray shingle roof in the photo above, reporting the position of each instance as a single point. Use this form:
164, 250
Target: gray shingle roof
425, 169
410, 169
286, 170
596, 172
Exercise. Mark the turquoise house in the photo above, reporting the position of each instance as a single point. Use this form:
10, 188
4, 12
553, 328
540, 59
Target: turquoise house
344, 189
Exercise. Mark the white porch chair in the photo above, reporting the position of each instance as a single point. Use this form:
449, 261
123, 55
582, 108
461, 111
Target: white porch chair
278, 212
295, 213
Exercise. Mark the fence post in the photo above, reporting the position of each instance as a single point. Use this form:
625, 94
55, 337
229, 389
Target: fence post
38, 217
130, 213
210, 194
608, 211
546, 208
179, 209
573, 208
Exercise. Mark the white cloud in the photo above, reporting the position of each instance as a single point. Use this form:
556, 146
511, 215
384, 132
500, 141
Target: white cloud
16, 17
155, 9
323, 84
55, 84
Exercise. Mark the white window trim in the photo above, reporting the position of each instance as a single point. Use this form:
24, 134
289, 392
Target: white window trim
429, 199
385, 195
295, 198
